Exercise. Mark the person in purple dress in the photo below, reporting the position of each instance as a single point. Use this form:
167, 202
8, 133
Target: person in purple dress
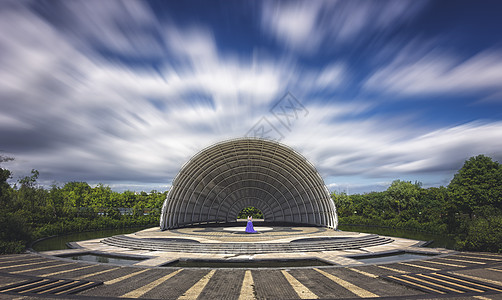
249, 227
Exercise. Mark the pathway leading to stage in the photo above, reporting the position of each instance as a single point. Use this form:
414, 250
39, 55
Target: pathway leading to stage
467, 275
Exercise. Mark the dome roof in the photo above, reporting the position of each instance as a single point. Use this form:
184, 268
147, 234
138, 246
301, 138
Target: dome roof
221, 180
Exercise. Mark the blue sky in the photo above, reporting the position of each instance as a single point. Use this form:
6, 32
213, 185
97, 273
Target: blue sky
125, 92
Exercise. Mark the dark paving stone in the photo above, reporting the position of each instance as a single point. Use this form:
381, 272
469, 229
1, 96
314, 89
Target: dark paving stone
225, 284
377, 286
271, 284
320, 285
127, 285
176, 285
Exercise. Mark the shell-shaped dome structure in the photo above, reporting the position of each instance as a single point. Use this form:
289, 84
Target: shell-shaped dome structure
221, 180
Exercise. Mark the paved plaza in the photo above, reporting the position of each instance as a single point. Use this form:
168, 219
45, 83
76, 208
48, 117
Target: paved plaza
442, 275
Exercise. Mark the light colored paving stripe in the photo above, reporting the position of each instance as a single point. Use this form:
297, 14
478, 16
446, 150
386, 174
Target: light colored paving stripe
364, 273
74, 288
247, 289
449, 282
97, 273
113, 281
481, 297
66, 271
462, 260
434, 284
418, 266
44, 280
302, 291
41, 268
36, 287
30, 264
13, 282
493, 269
444, 264
395, 270
417, 284
197, 288
349, 286
486, 258
57, 287
14, 260
146, 288
478, 279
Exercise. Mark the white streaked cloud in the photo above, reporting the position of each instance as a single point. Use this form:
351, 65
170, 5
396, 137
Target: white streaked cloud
439, 73
73, 114
306, 26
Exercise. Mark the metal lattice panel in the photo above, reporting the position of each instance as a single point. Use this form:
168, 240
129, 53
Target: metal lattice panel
221, 180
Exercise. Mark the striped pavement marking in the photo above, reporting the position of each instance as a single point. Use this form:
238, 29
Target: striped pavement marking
97, 273
27, 285
146, 288
481, 297
493, 269
434, 284
444, 264
196, 289
119, 279
14, 260
66, 271
6, 284
41, 268
302, 291
247, 289
463, 260
477, 278
86, 285
475, 257
347, 285
448, 282
394, 270
22, 265
419, 266
416, 284
364, 273
57, 287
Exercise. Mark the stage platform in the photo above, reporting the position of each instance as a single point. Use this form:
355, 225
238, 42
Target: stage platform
227, 242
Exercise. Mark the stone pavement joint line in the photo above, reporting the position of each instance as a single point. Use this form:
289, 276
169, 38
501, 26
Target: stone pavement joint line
417, 284
419, 266
462, 260
448, 282
364, 273
22, 265
197, 288
347, 285
66, 271
247, 289
434, 284
146, 288
41, 268
97, 273
124, 277
394, 270
478, 279
444, 264
302, 291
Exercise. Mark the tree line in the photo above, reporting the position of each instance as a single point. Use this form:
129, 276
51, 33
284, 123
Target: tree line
470, 207
29, 211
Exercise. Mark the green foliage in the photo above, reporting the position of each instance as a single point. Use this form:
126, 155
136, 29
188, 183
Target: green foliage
250, 211
470, 207
29, 212
477, 187
484, 234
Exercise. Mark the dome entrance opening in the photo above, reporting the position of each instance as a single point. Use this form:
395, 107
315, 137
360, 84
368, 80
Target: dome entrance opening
250, 211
